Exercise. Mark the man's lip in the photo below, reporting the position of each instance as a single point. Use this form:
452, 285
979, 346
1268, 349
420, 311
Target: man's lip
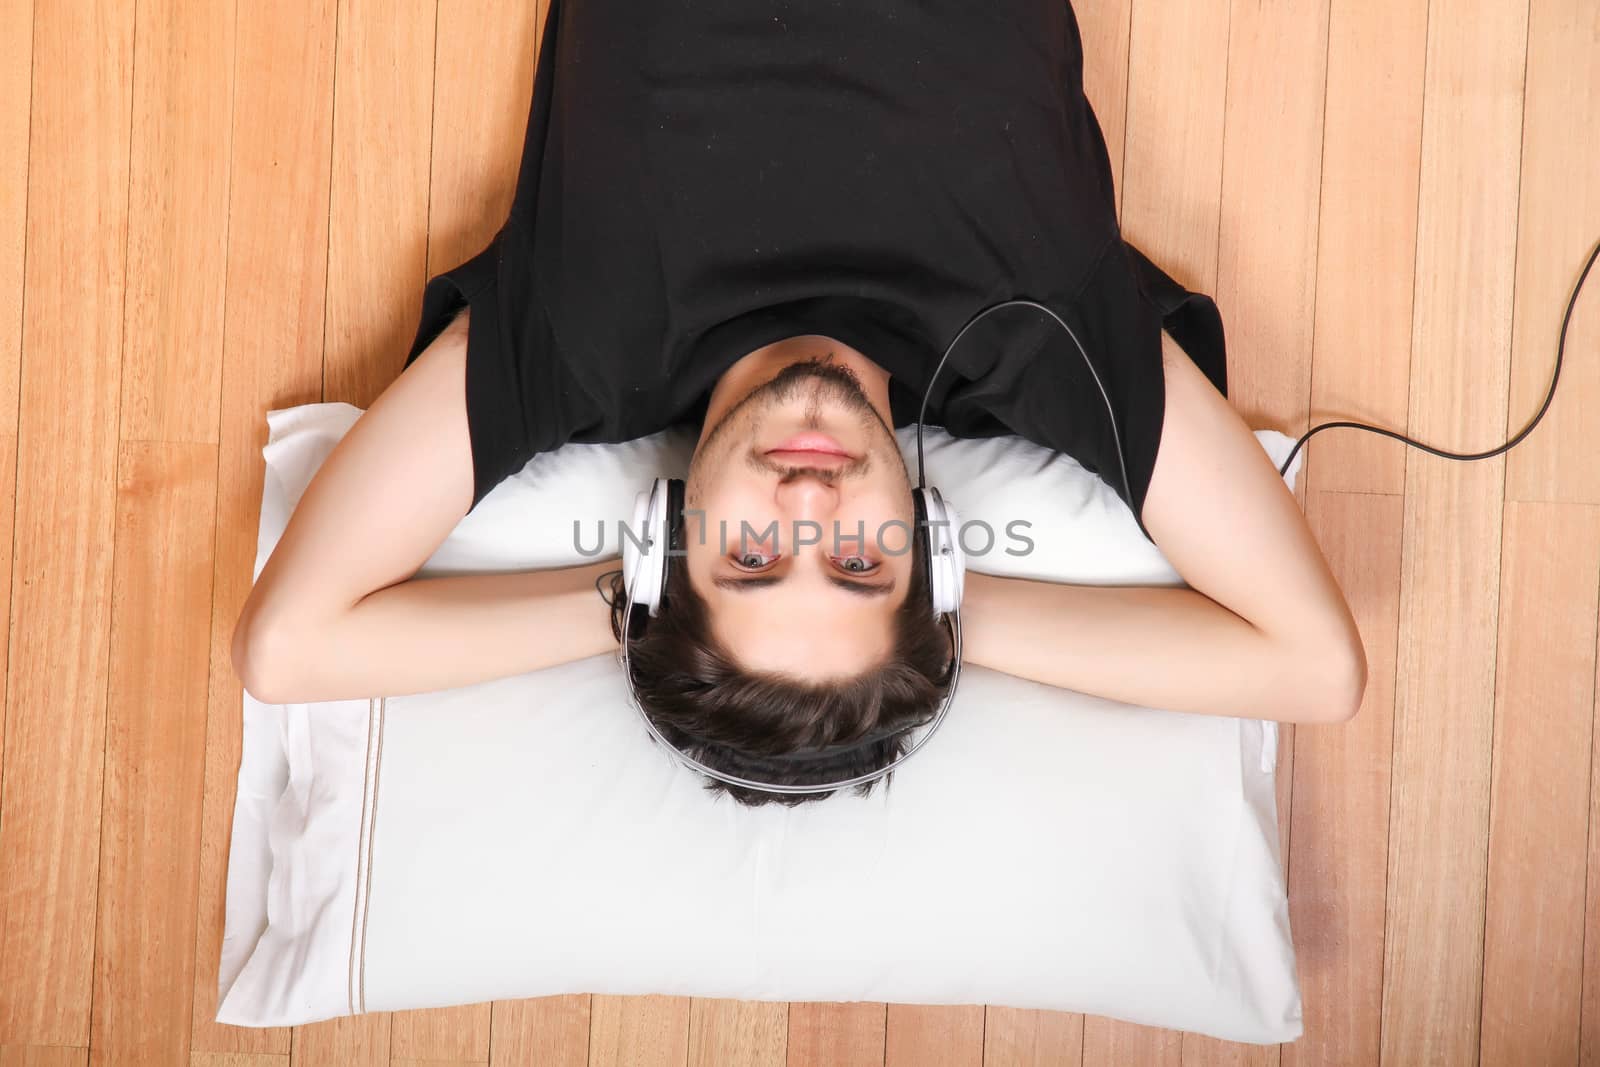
811, 441
807, 458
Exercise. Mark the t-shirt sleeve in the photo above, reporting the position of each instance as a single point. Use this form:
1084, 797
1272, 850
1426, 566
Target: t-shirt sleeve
1125, 304
511, 362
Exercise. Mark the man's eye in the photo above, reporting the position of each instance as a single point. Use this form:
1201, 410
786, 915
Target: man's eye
855, 564
754, 561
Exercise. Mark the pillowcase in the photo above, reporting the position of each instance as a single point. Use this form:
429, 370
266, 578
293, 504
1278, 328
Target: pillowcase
524, 837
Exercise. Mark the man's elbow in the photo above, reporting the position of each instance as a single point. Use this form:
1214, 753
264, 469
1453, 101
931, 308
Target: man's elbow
257, 663
1346, 691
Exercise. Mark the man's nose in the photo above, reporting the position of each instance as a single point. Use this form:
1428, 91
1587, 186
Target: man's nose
805, 495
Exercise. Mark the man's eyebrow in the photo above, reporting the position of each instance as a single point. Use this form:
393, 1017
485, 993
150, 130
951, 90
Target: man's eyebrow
745, 585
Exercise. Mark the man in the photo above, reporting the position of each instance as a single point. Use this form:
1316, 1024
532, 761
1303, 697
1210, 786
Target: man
768, 218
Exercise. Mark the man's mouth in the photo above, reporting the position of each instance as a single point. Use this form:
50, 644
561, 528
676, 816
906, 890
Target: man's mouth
807, 458
813, 443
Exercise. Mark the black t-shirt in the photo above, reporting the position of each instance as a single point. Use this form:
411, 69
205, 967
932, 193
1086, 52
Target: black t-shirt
703, 177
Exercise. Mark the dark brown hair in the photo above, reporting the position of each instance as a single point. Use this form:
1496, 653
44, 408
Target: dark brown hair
743, 722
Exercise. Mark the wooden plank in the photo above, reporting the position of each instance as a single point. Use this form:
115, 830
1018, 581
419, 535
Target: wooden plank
237, 1059
8, 515
750, 1033
1114, 1043
1339, 864
272, 358
1589, 1029
155, 753
1466, 245
178, 221
835, 1034
483, 84
42, 1056
378, 211
1539, 812
1172, 174
1104, 29
454, 1033
542, 1032
66, 452
1366, 250
171, 381
350, 1041
1271, 180
1016, 1038
949, 1035
16, 77
1558, 222
648, 1031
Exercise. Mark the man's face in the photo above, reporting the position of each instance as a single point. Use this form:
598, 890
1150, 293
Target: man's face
802, 548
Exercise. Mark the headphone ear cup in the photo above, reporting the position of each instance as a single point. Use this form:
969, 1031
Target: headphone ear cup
947, 563
644, 548
672, 533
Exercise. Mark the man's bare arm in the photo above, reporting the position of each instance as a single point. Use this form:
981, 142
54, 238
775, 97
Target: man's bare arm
1263, 632
337, 612
1156, 647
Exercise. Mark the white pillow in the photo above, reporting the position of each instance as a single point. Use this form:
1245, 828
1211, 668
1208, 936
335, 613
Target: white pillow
523, 837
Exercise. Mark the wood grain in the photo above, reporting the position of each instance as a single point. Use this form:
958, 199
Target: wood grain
1113, 1043
378, 206
1589, 1028
827, 1034
155, 753
487, 51
1172, 172
1016, 1038
1366, 244
73, 287
16, 78
1450, 576
916, 1034
543, 1032
1104, 27
237, 1059
42, 1056
1539, 811
178, 221
354, 1040
638, 1031
1558, 224
746, 1032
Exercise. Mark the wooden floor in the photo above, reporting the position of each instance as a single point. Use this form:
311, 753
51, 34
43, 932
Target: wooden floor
209, 210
